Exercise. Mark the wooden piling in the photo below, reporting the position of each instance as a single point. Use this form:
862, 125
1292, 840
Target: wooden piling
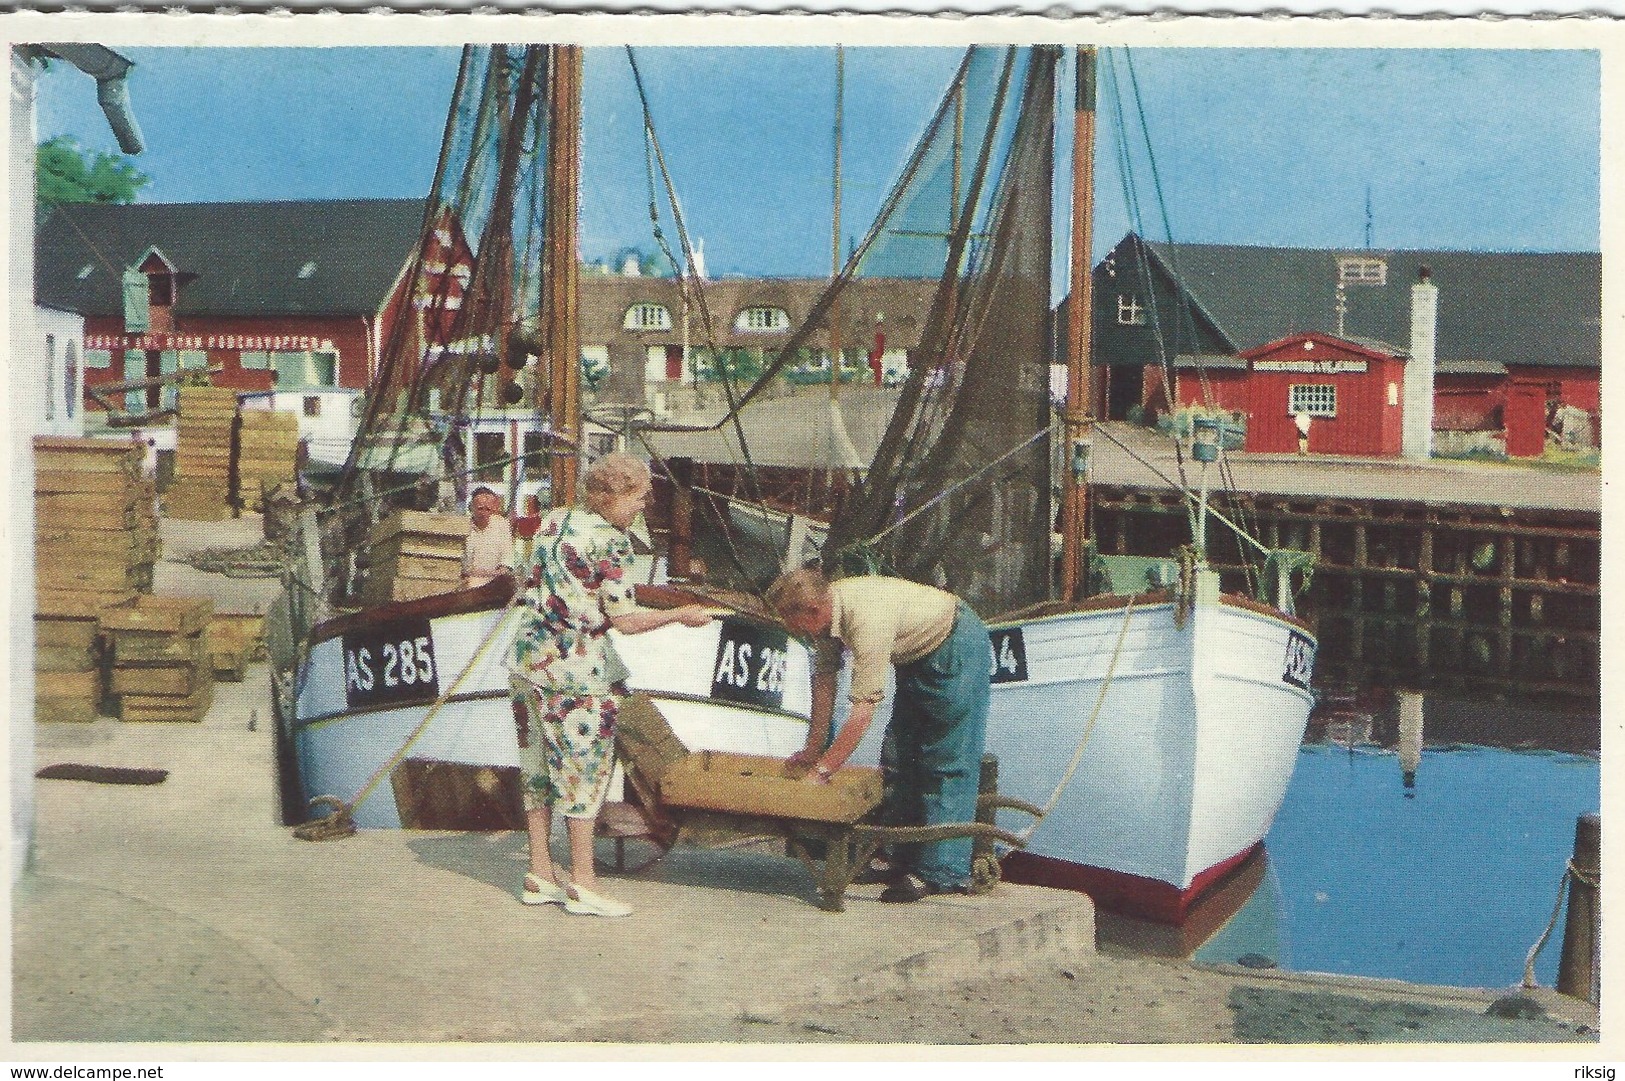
1579, 969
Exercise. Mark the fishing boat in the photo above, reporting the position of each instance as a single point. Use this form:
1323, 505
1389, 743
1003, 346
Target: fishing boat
399, 713
1154, 715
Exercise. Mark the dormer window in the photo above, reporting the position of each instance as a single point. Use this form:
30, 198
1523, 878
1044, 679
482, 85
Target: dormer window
762, 319
1362, 270
647, 317
1129, 312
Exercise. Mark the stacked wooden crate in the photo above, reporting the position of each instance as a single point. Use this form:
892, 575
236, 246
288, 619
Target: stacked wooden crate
161, 664
67, 663
95, 535
267, 454
203, 434
236, 639
414, 554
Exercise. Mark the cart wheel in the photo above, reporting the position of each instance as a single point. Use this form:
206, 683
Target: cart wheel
984, 873
628, 855
627, 842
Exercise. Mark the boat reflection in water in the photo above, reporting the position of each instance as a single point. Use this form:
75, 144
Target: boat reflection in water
1238, 921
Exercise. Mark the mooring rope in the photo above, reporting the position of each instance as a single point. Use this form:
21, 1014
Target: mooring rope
333, 825
1570, 873
1089, 729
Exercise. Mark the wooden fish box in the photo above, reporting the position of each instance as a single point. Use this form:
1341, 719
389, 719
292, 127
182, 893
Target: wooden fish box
191, 708
246, 628
85, 685
87, 456
170, 680
76, 604
91, 576
56, 481
55, 710
157, 647
422, 523
84, 510
268, 420
757, 785
58, 633
170, 615
384, 588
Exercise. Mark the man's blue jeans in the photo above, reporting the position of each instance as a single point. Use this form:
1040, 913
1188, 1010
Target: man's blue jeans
938, 728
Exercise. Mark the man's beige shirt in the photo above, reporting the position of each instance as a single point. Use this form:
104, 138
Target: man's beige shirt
489, 551
883, 621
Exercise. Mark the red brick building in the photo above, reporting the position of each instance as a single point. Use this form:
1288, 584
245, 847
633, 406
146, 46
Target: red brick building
296, 297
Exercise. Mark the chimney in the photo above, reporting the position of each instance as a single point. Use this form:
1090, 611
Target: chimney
1416, 440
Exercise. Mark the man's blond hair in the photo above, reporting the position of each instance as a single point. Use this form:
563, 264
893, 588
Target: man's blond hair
799, 590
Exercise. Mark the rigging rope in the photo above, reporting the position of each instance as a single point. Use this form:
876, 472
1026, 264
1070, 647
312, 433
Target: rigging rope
1570, 873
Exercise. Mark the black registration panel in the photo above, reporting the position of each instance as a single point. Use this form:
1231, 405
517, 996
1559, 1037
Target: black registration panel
1009, 662
750, 664
1300, 661
390, 663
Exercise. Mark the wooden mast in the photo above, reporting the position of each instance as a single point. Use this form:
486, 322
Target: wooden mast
560, 268
1079, 420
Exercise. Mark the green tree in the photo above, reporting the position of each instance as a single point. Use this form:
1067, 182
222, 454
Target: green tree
66, 173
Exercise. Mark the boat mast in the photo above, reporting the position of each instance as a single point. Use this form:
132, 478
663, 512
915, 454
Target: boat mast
835, 239
560, 269
1079, 418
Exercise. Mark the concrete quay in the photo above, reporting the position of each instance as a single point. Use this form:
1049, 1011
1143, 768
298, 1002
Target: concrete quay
182, 914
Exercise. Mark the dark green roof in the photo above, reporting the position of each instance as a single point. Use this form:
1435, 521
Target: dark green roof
1540, 308
247, 257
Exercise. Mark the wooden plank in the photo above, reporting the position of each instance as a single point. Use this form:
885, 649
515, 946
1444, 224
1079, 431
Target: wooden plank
64, 710
88, 577
429, 568
416, 545
81, 458
273, 420
145, 708
432, 795
174, 615
85, 685
86, 510
129, 545
169, 681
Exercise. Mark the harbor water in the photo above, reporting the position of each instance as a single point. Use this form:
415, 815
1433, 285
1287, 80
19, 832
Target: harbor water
1449, 882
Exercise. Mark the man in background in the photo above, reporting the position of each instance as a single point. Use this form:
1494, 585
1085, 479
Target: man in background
488, 551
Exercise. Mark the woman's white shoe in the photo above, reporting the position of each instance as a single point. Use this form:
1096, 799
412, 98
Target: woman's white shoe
583, 902
540, 891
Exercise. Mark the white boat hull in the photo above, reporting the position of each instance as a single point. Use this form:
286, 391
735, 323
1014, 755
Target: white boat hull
1188, 741
341, 739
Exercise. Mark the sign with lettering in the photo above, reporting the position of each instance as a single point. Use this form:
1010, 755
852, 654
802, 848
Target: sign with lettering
1312, 367
1300, 661
750, 664
390, 664
253, 343
1009, 661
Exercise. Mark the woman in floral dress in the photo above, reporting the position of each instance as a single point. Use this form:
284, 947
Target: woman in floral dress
567, 680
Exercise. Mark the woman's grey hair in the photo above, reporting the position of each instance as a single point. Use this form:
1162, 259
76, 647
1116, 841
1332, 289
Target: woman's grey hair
615, 474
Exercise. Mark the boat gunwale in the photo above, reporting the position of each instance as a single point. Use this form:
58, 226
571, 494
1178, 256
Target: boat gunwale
1047, 611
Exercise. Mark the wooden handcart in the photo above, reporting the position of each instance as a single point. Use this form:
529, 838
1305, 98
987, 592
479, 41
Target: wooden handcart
714, 800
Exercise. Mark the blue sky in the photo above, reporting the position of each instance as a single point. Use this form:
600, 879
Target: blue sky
1492, 150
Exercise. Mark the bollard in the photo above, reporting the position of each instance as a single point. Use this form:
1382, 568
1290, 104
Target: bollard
1579, 968
984, 862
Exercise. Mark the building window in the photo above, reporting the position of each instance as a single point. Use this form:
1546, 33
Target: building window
1354, 270
98, 358
70, 385
648, 317
1129, 312
1316, 399
313, 406
257, 362
490, 448
762, 319
535, 449
50, 377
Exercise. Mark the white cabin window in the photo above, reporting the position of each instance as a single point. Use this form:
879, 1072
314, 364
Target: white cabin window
762, 319
647, 317
70, 384
1129, 312
490, 452
1354, 270
1316, 399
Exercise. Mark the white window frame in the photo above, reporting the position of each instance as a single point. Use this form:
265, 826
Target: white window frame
50, 377
762, 319
1316, 399
1129, 311
647, 316
1362, 270
70, 384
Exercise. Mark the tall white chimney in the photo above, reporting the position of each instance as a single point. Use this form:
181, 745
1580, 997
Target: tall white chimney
1416, 439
